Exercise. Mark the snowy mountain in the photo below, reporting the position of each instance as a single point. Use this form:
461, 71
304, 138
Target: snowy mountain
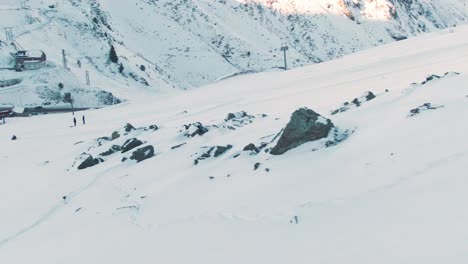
385, 184
167, 44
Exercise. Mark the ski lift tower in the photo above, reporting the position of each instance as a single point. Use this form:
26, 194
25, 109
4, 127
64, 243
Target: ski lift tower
284, 49
9, 34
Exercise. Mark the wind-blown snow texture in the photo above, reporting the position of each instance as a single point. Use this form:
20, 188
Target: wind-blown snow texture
186, 44
394, 191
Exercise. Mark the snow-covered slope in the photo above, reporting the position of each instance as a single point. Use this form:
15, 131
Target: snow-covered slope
168, 44
393, 192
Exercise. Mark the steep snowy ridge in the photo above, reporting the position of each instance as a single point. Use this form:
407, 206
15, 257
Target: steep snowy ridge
169, 44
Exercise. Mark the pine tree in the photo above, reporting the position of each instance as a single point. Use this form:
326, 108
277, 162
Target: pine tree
113, 55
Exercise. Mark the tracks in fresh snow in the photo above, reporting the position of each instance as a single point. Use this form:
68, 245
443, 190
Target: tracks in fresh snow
51, 212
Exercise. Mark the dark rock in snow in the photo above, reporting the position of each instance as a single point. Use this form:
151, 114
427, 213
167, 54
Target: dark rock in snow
143, 153
194, 129
370, 96
240, 114
220, 150
213, 152
14, 137
131, 144
153, 128
422, 108
128, 127
257, 165
104, 139
431, 78
178, 146
234, 121
90, 161
434, 77
112, 150
115, 135
305, 126
356, 102
251, 147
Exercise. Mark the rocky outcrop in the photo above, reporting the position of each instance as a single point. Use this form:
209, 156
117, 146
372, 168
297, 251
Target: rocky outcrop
356, 102
115, 135
89, 162
434, 77
194, 129
237, 115
423, 108
305, 126
237, 120
251, 147
112, 150
142, 153
131, 144
213, 152
128, 128
152, 128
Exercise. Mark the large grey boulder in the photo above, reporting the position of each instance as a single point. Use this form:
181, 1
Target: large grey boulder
305, 126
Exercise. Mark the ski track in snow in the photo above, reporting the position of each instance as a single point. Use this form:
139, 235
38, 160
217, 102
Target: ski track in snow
52, 211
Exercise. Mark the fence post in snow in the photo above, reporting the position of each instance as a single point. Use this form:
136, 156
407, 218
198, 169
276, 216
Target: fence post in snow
88, 82
64, 58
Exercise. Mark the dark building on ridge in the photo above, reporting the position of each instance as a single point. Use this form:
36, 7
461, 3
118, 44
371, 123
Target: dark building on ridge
29, 60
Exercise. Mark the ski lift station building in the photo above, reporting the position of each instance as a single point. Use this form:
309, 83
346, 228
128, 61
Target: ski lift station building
29, 59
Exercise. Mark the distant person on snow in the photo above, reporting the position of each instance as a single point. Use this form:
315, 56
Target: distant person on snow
84, 120
74, 121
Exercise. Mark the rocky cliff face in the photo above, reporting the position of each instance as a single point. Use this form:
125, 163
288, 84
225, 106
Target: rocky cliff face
197, 42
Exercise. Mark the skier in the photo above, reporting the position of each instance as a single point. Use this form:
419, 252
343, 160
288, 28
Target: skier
84, 120
74, 121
